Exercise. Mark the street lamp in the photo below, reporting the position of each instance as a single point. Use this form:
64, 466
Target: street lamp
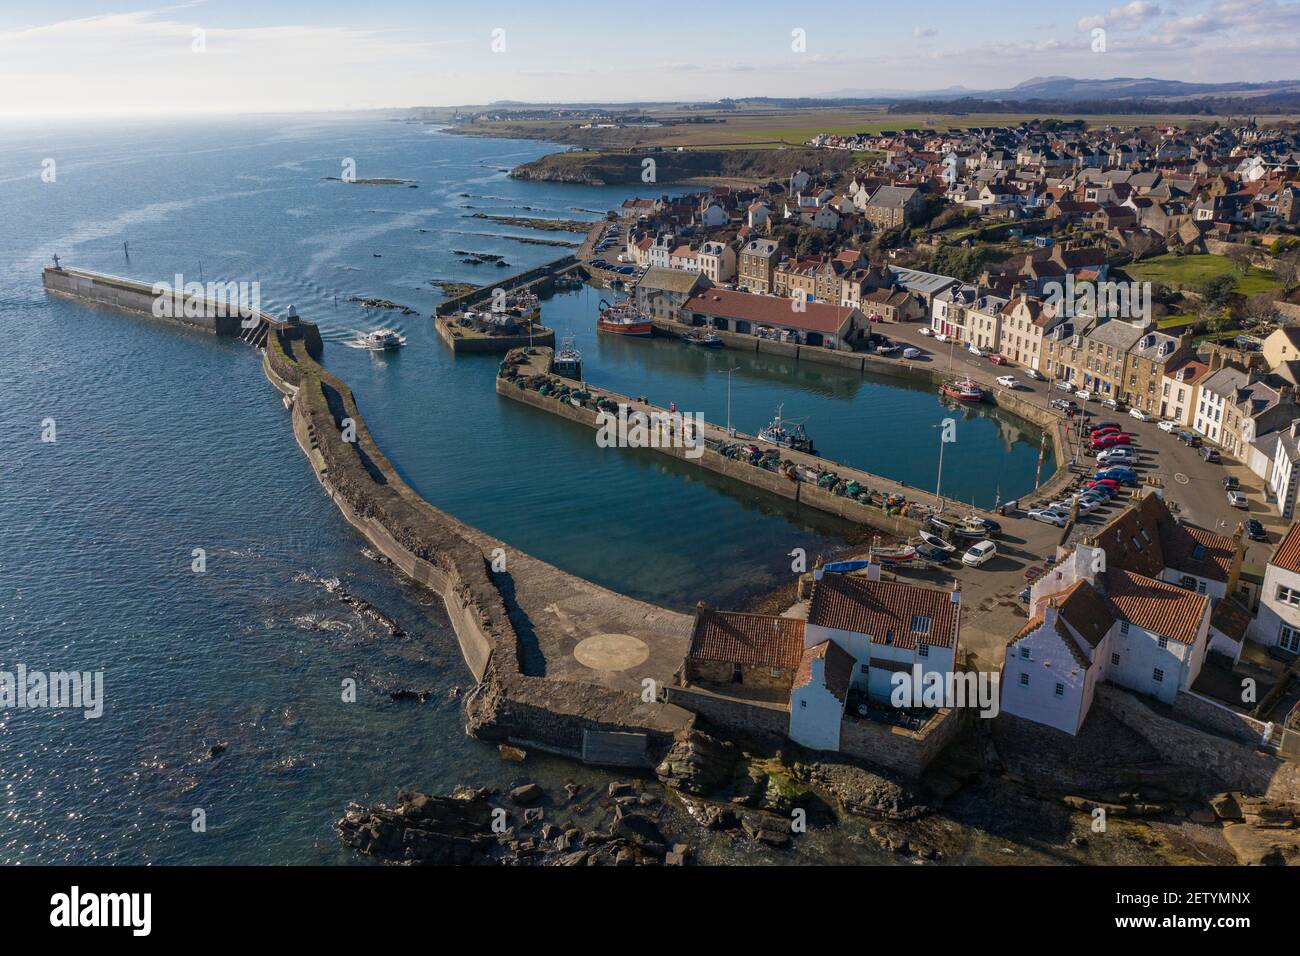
727, 371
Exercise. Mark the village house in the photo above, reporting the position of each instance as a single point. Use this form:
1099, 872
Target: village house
1106, 359
1144, 377
892, 206
1180, 390
984, 322
684, 258
1277, 623
949, 314
806, 323
1064, 349
1283, 471
660, 293
1281, 346
1023, 322
758, 261
891, 305
1132, 606
717, 261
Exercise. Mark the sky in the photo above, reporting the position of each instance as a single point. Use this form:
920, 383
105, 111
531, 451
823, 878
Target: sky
238, 56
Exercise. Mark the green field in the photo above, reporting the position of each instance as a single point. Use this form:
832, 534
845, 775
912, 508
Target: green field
1188, 272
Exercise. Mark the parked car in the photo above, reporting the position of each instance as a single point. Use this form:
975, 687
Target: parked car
1110, 457
998, 359
1255, 531
1125, 476
1050, 516
1024, 595
991, 527
1114, 425
938, 336
1064, 387
1104, 483
975, 350
1114, 404
886, 349
1167, 426
1139, 415
1231, 482
979, 554
931, 553
926, 330
1064, 405
1237, 500
1109, 440
1190, 440
1108, 428
1032, 373
911, 353
1211, 455
1008, 381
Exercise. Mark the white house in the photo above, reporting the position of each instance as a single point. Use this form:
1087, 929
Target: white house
1278, 621
714, 215
1217, 394
661, 251
1284, 469
1094, 622
885, 626
756, 214
818, 695
717, 261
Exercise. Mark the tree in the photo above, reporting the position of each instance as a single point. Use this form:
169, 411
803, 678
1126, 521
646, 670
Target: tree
1217, 291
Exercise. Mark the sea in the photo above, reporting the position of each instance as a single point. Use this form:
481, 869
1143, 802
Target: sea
159, 526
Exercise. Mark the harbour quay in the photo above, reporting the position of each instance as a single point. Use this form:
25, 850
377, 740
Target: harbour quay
806, 479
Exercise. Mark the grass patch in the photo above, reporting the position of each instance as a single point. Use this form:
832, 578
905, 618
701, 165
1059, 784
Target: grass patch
1188, 272
1177, 321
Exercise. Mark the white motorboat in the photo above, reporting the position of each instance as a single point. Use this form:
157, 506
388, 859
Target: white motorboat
381, 339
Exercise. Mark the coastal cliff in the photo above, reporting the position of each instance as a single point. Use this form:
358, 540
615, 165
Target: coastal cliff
600, 168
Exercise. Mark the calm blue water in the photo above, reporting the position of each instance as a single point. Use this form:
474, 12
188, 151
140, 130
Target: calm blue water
169, 440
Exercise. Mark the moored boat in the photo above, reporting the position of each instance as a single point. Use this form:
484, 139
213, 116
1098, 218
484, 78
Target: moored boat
962, 390
786, 434
622, 318
708, 340
568, 361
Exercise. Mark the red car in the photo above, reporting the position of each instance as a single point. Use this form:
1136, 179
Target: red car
1109, 441
1110, 483
1106, 430
998, 359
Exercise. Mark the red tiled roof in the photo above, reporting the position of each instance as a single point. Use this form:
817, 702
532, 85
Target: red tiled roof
883, 608
735, 638
1287, 555
1165, 609
838, 670
768, 310
1230, 618
1146, 539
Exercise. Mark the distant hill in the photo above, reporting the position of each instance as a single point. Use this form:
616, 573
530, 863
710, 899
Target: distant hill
1068, 89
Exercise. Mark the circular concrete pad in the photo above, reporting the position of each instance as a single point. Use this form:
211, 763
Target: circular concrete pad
611, 652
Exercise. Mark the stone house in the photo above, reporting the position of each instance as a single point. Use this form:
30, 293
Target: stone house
758, 261
660, 293
717, 261
1180, 390
892, 206
1106, 360
1024, 321
1144, 376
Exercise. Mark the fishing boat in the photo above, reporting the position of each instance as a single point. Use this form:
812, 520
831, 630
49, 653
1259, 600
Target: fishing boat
708, 340
962, 390
846, 567
381, 339
934, 541
623, 318
568, 361
786, 434
895, 554
972, 527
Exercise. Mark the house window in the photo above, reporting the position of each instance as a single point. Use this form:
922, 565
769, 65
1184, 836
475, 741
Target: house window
803, 703
923, 650
1024, 653
920, 624
1114, 660
1162, 643
1158, 675
1288, 596
1289, 639
774, 671
1024, 679
737, 674
1060, 690
1123, 627
863, 668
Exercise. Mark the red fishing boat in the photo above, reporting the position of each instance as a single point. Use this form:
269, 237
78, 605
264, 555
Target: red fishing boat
963, 390
622, 318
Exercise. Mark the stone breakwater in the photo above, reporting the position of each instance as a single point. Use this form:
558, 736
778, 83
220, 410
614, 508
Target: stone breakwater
518, 627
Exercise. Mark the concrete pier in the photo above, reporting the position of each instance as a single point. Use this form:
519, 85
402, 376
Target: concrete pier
799, 492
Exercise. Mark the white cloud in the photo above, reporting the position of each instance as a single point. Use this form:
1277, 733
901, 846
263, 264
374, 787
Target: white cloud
924, 32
